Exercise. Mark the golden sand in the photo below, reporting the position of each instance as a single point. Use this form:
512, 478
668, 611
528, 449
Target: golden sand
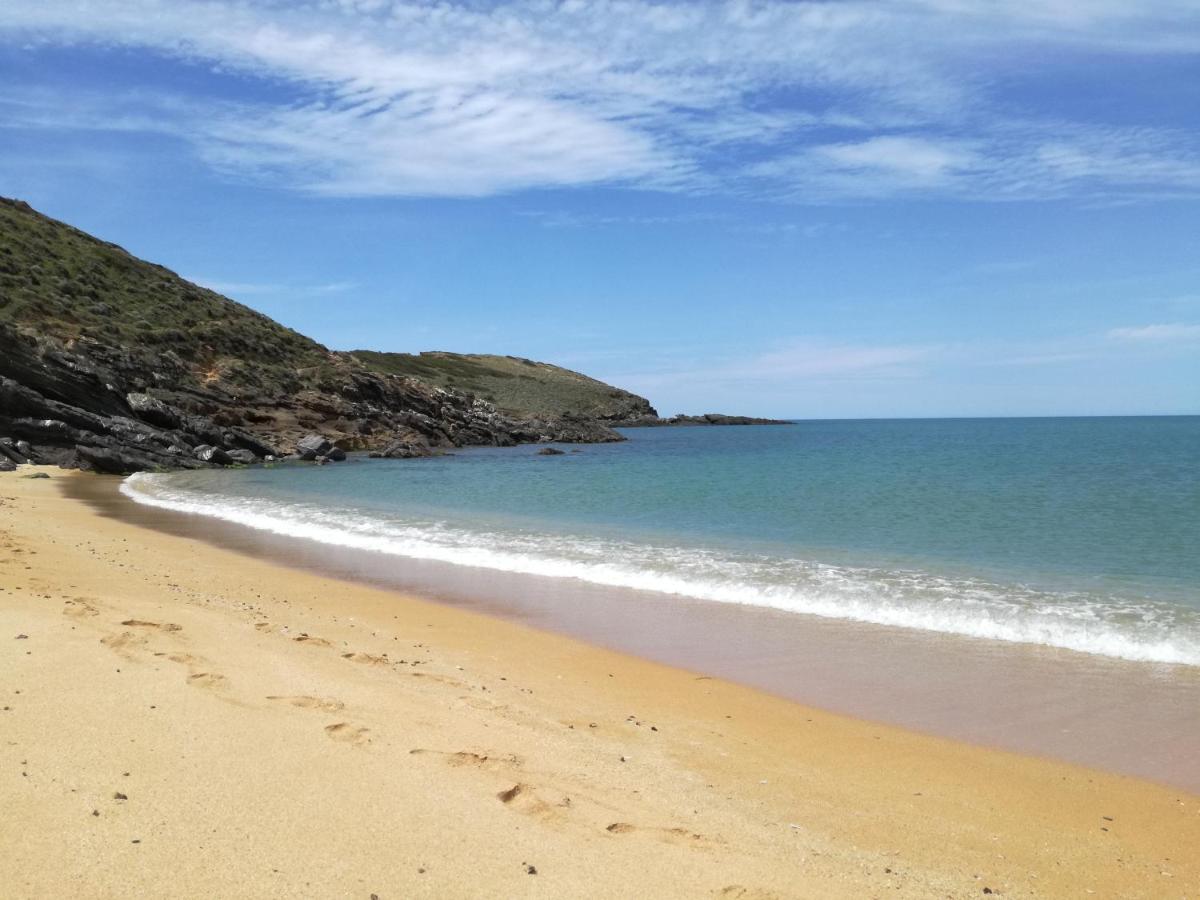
182, 721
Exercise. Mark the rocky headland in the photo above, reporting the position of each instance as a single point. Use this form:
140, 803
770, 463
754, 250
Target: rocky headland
114, 364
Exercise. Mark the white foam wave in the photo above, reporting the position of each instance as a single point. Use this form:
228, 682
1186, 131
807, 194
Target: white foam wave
1135, 630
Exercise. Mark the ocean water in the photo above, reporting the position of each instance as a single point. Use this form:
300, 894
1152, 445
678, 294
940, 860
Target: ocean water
1079, 533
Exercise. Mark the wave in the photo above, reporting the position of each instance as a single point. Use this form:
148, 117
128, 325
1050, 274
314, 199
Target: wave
1137, 629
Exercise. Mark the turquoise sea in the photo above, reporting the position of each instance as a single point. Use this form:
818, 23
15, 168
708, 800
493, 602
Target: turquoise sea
1080, 533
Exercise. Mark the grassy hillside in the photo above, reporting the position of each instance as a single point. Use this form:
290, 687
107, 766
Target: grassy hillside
60, 282
67, 284
513, 385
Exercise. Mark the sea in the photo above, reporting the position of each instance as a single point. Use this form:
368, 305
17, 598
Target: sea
1081, 534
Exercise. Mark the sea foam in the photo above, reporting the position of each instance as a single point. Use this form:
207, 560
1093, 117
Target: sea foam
1133, 629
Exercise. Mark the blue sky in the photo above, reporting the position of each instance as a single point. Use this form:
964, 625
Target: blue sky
919, 207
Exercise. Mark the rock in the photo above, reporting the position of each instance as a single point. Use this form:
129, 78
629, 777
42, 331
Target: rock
551, 451
242, 457
114, 460
24, 448
313, 445
706, 419
336, 454
243, 440
408, 444
9, 451
7, 465
214, 455
153, 411
36, 475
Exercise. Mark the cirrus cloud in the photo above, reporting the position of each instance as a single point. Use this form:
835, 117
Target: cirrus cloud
810, 100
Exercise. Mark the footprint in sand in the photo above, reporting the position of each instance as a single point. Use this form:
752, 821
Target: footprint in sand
346, 733
79, 608
184, 659
208, 680
493, 763
367, 659
161, 626
124, 643
312, 641
325, 704
670, 835
740, 892
523, 799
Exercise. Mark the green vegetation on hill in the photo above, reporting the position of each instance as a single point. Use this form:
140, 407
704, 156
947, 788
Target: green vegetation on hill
59, 282
64, 283
514, 385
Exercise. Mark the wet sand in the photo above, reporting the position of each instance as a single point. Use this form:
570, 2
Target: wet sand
1134, 718
179, 720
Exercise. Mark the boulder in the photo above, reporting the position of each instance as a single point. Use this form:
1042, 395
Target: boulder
313, 445
550, 451
209, 454
148, 409
114, 460
8, 450
408, 445
243, 457
7, 465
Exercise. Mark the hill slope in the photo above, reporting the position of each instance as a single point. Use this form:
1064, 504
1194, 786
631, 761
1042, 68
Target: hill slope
514, 385
66, 284
114, 363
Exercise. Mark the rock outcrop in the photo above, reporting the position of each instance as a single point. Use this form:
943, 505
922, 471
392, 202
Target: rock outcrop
111, 363
86, 405
705, 419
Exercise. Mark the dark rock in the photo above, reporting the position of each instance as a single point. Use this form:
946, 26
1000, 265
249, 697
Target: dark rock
706, 419
7, 465
214, 455
36, 475
408, 443
242, 457
313, 445
153, 411
8, 450
243, 440
114, 461
551, 451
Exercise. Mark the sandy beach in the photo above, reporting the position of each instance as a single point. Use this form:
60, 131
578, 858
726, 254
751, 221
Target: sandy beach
179, 720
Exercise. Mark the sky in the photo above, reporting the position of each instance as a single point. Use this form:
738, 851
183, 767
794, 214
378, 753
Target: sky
798, 209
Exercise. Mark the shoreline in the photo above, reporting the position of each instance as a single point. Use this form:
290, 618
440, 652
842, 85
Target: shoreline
275, 731
1123, 716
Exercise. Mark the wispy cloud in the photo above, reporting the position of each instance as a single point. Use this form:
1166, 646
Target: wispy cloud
271, 289
797, 362
1175, 331
811, 100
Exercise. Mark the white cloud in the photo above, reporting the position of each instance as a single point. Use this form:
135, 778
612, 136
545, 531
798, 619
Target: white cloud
806, 99
1175, 331
797, 362
260, 288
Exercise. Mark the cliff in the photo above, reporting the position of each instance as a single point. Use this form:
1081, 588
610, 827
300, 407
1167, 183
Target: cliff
516, 386
112, 363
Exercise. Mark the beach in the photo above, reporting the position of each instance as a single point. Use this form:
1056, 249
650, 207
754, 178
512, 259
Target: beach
182, 720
